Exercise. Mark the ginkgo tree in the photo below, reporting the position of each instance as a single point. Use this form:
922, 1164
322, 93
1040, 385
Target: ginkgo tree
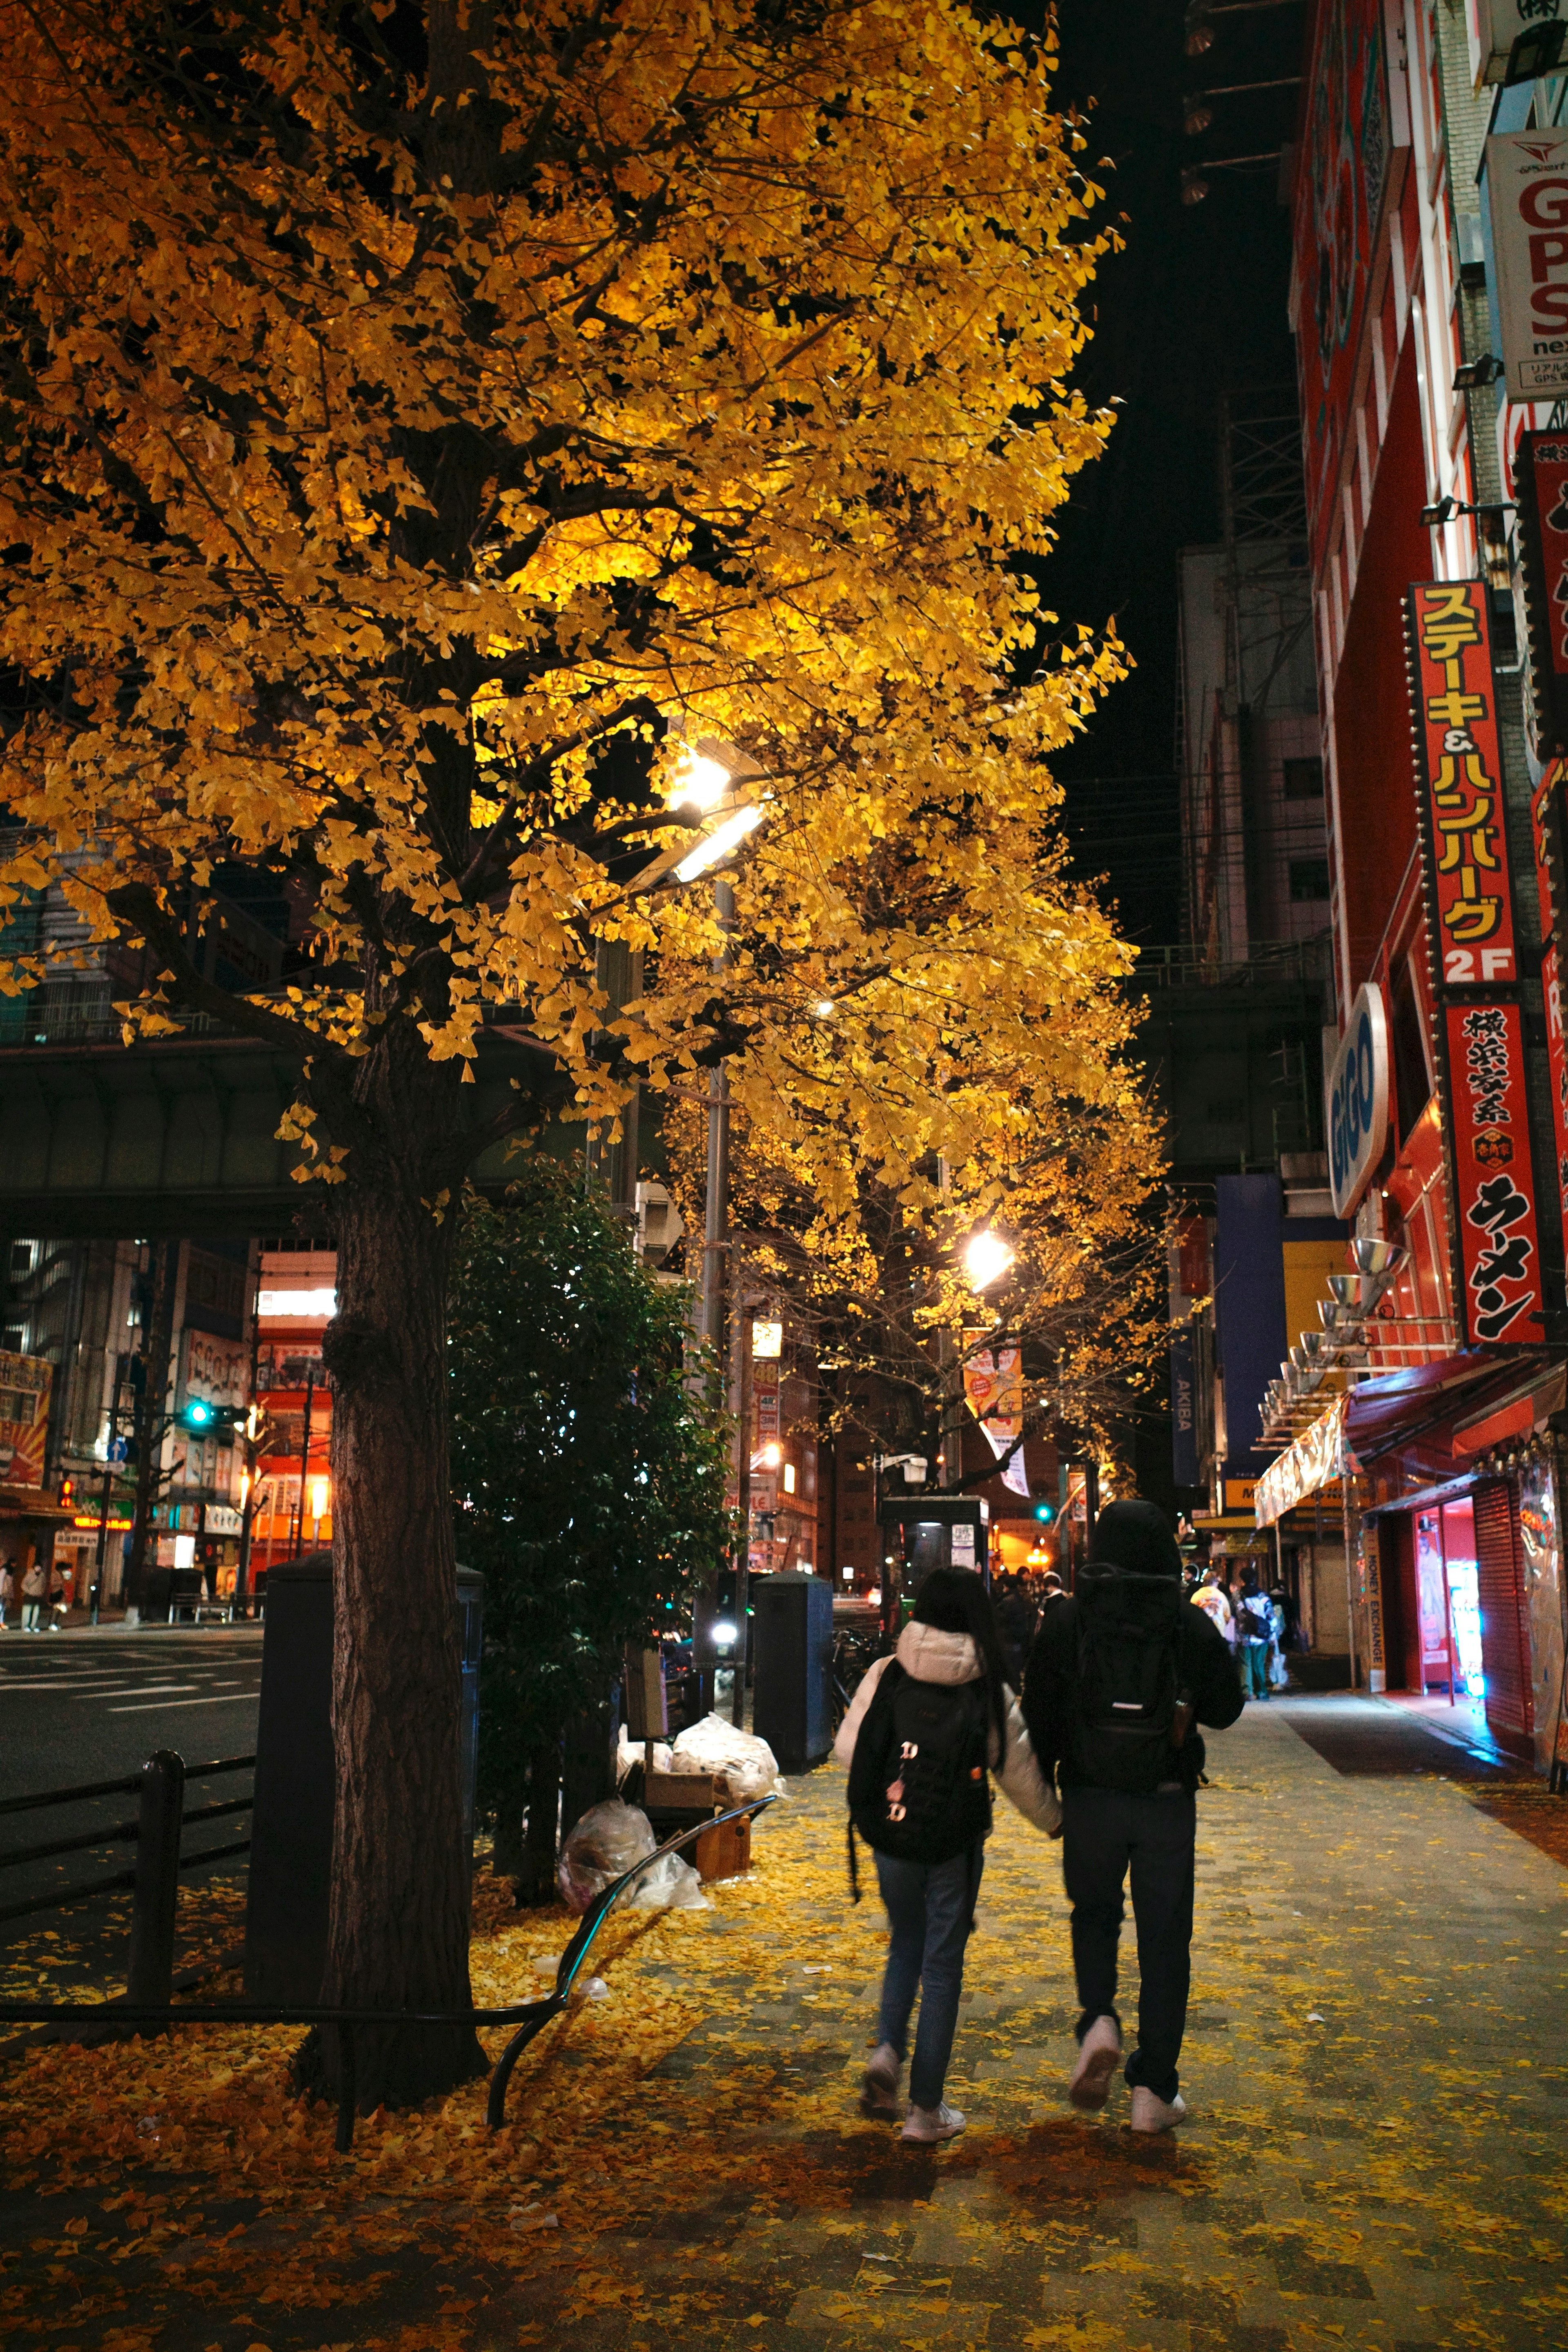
425, 425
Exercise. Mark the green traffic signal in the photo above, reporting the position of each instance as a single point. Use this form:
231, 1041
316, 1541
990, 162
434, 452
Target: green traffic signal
202, 1419
1045, 1513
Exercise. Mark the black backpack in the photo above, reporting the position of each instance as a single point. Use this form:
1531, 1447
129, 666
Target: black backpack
1128, 1717
919, 1786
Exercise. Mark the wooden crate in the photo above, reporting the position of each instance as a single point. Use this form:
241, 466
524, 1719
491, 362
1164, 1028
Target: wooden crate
725, 1850
685, 1792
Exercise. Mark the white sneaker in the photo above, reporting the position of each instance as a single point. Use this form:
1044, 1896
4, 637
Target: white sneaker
1098, 2054
880, 2083
1153, 2115
928, 2124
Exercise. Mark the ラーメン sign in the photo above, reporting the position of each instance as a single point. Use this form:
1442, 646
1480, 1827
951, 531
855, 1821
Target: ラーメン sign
1356, 1099
1527, 181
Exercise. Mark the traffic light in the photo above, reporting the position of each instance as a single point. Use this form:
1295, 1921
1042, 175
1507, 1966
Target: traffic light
1045, 1513
206, 1420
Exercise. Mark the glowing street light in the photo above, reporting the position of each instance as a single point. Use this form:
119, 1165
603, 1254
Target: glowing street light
699, 782
986, 1260
716, 846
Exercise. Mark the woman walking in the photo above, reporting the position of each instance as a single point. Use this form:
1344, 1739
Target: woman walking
926, 1728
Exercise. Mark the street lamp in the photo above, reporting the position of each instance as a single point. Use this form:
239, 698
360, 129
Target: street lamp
986, 1259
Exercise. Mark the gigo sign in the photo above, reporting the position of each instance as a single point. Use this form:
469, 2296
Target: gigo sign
1526, 179
1357, 1099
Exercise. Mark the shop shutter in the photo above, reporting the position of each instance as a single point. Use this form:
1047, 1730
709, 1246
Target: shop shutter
1505, 1645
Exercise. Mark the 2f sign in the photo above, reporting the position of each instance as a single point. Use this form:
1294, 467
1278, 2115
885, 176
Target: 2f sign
1527, 181
1470, 967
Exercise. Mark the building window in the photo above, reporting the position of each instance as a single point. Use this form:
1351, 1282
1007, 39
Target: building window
1302, 780
1309, 879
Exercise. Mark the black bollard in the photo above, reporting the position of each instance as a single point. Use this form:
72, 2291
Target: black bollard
152, 1975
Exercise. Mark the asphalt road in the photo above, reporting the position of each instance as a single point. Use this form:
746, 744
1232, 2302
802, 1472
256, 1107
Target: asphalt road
77, 1708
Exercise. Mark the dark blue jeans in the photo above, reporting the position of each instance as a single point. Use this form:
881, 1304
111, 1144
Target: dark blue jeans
1105, 1832
930, 1910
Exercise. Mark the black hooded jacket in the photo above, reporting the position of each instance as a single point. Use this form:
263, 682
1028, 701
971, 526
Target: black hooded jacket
1131, 1538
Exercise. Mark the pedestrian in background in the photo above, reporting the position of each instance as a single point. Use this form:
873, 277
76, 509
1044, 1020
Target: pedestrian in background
1210, 1597
58, 1599
35, 1584
1255, 1625
1119, 1676
923, 1731
7, 1592
1016, 1618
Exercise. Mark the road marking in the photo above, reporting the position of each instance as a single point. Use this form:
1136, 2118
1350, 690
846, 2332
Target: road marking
224, 1698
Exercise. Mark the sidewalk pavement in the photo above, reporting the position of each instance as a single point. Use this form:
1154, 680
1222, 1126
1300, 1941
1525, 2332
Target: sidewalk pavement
1376, 2067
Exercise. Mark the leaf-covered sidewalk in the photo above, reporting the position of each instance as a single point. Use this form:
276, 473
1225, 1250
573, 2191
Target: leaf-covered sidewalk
1377, 2068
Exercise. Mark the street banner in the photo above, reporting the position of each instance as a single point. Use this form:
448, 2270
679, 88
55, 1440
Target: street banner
1527, 185
1459, 796
1541, 477
25, 1386
1185, 1469
994, 1387
1497, 1274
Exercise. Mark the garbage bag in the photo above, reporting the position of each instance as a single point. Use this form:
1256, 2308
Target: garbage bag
607, 1840
630, 1751
604, 1844
671, 1885
715, 1746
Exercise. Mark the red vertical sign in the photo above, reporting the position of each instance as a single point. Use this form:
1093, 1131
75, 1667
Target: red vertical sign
1498, 1246
1470, 899
1541, 473
1545, 830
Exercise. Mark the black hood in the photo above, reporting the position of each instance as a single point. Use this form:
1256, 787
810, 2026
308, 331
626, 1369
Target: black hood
1136, 1537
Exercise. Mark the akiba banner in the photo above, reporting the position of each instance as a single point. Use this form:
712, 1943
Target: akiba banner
1459, 797
1496, 1244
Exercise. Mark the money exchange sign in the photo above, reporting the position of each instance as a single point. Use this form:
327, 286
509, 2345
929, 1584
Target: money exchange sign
1470, 899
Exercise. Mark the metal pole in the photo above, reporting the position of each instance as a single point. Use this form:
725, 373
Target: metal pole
248, 1512
108, 1486
710, 1307
151, 1974
740, 1408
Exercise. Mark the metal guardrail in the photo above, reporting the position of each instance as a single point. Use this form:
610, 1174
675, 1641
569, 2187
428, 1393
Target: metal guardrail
161, 1784
529, 2017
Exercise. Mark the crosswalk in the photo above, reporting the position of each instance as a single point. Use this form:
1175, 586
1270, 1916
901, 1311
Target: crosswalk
143, 1675
76, 1707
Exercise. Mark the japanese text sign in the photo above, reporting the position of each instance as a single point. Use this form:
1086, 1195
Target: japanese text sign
1540, 474
1497, 1247
25, 1384
1527, 182
1459, 786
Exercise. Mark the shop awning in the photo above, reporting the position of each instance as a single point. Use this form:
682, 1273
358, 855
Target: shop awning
1315, 1459
1433, 1402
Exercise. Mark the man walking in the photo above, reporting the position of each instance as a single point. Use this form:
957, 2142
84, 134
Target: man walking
1254, 1624
1120, 1675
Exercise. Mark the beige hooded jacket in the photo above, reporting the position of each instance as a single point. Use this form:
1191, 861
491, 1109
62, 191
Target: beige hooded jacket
927, 1655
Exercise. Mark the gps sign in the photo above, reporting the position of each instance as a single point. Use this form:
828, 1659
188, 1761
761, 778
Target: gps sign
1526, 179
1356, 1107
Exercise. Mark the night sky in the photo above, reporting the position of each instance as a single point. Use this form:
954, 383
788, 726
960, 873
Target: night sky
1195, 307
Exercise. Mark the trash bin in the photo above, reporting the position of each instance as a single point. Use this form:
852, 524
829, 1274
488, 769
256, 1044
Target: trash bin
791, 1640
291, 1824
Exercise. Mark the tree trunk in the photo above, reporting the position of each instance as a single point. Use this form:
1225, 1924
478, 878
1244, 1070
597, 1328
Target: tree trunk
399, 1924
536, 1882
